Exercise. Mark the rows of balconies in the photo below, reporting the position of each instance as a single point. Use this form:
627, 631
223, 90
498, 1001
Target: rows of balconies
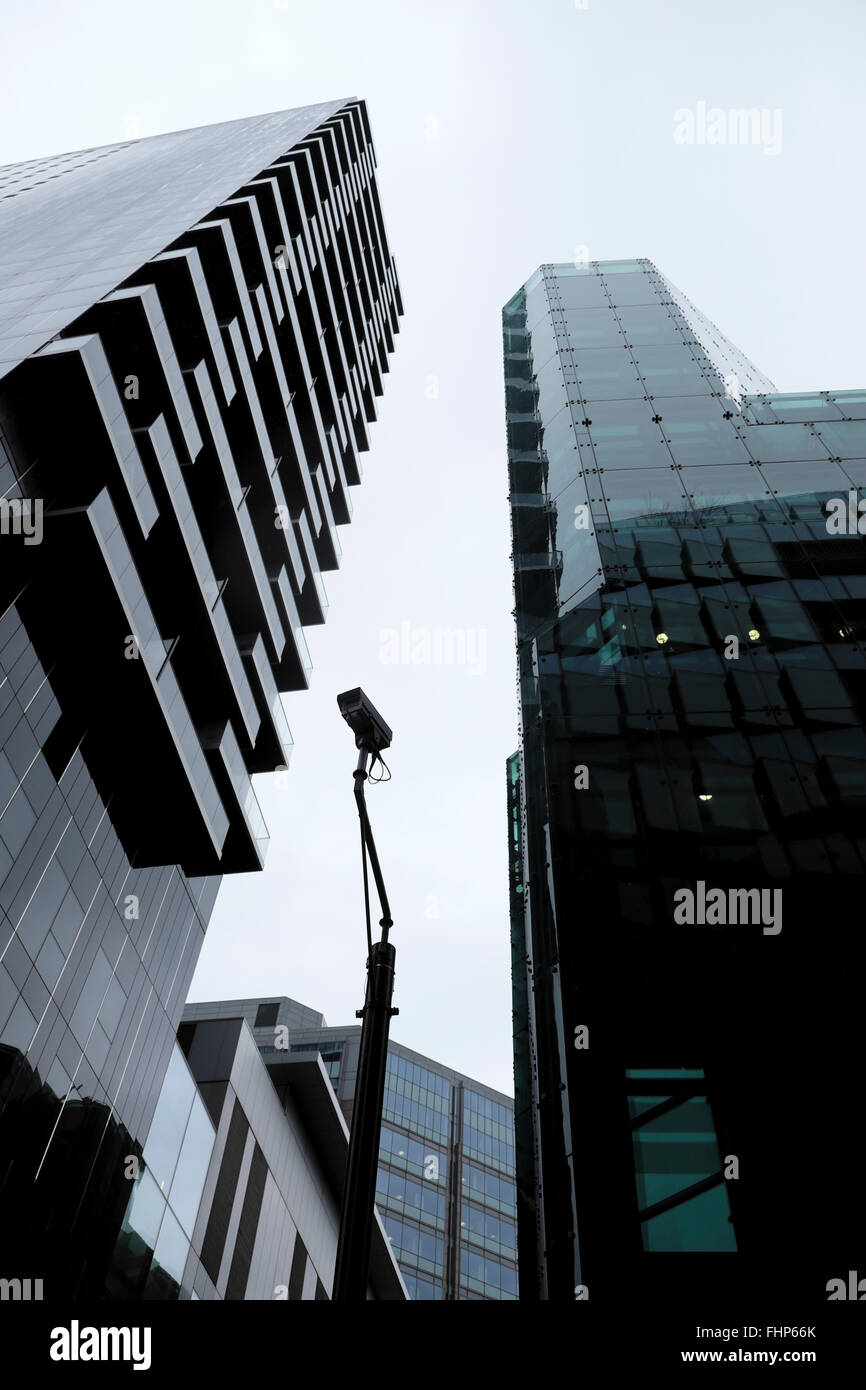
192, 438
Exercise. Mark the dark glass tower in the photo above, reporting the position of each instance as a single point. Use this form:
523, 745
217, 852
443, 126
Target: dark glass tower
687, 808
193, 331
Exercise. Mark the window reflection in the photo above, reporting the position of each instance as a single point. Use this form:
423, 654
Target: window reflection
169, 1121
192, 1165
169, 1259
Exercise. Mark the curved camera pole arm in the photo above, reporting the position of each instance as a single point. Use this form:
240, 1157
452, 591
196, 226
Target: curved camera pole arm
360, 775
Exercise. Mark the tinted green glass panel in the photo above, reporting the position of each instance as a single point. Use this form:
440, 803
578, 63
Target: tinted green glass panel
701, 1224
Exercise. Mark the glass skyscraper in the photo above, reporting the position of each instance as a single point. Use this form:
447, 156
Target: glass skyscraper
445, 1188
193, 331
686, 833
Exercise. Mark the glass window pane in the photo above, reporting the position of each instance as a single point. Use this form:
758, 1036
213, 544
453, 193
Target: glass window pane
145, 1210
169, 1121
700, 1224
169, 1259
192, 1166
491, 1272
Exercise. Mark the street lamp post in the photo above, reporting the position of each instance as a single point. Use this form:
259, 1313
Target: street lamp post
372, 735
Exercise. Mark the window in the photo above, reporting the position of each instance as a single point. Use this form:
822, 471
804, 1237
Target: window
679, 1173
168, 1126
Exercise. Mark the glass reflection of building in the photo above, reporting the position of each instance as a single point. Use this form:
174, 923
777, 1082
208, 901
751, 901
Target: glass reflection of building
193, 331
690, 640
445, 1189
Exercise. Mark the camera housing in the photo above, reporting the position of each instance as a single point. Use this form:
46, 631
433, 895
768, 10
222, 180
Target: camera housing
365, 721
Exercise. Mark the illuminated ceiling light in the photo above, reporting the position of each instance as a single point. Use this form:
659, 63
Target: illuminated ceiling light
661, 638
705, 796
754, 634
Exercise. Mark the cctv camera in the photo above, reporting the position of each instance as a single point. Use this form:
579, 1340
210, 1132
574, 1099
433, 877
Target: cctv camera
365, 721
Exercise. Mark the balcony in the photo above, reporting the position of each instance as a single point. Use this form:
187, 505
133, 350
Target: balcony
247, 841
113, 676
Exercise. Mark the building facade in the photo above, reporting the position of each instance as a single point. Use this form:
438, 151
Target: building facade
686, 834
445, 1186
238, 1195
193, 331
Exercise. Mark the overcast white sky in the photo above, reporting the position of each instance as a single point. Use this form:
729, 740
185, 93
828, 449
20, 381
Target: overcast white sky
508, 134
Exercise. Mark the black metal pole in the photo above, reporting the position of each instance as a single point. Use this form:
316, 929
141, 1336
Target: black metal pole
359, 1190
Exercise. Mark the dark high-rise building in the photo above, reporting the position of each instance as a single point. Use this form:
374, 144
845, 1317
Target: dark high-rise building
688, 806
193, 331
445, 1185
